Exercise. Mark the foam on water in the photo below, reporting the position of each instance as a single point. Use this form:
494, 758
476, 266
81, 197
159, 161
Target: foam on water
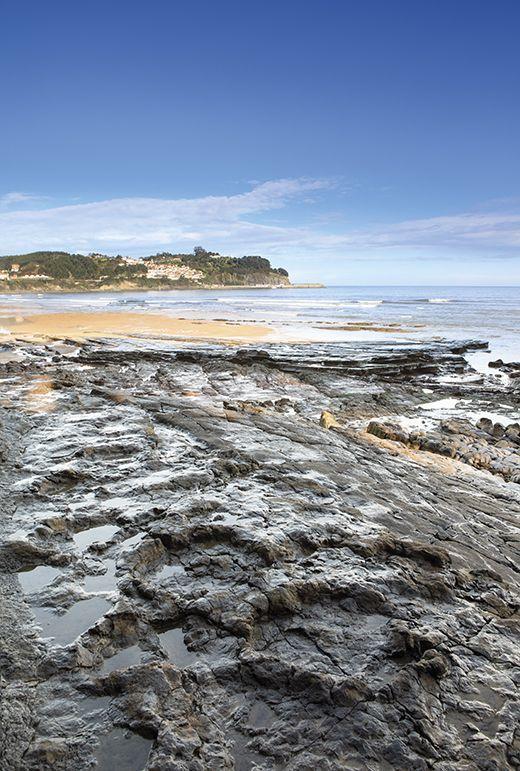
485, 313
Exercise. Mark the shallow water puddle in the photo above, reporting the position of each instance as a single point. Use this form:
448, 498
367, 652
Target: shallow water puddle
18, 535
63, 629
168, 571
32, 580
261, 715
173, 642
123, 659
494, 417
122, 750
440, 404
465, 408
102, 533
41, 396
102, 582
10, 355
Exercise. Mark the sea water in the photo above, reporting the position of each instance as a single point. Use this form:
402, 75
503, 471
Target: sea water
417, 312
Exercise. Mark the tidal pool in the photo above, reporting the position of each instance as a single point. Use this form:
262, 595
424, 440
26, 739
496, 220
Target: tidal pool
102, 582
122, 750
35, 579
102, 533
173, 642
124, 658
64, 628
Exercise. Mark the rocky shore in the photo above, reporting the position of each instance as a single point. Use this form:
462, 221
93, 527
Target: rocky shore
275, 557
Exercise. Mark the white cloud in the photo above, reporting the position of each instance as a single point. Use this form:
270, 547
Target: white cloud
227, 223
15, 199
144, 223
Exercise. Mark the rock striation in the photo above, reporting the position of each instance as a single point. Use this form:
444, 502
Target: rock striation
208, 562
486, 445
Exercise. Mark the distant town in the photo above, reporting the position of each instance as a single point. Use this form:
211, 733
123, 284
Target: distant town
172, 271
55, 271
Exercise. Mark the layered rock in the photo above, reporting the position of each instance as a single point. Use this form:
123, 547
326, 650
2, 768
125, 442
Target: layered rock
242, 577
486, 445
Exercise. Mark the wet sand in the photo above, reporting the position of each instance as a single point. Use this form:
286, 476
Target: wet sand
110, 324
93, 325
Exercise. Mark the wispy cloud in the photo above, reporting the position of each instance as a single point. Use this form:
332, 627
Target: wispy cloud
15, 198
231, 223
500, 231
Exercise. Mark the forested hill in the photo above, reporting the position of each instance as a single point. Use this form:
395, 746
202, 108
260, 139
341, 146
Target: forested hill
57, 270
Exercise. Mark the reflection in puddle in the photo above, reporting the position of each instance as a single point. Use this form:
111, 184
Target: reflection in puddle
85, 538
35, 579
168, 571
66, 627
102, 582
260, 716
122, 751
173, 642
10, 355
123, 659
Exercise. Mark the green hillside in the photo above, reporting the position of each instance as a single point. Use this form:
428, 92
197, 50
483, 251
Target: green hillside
47, 269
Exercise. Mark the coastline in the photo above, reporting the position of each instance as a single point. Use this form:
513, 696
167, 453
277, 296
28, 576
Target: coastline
81, 325
256, 515
160, 287
84, 325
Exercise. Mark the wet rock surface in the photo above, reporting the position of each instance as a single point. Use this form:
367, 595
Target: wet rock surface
207, 562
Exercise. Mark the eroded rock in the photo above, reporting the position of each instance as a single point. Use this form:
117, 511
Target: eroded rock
262, 593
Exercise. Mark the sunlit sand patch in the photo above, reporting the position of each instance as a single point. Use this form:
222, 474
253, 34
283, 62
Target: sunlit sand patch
448, 466
40, 396
80, 326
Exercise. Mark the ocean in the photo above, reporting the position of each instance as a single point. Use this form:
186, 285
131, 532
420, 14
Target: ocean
334, 313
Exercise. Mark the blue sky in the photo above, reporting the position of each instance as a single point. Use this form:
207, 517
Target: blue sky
353, 142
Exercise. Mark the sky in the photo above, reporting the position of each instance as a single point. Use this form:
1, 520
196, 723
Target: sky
368, 142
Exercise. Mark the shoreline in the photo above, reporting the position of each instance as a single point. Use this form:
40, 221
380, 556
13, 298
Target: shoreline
161, 288
82, 325
126, 324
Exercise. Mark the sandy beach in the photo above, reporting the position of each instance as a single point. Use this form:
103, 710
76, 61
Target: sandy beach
112, 324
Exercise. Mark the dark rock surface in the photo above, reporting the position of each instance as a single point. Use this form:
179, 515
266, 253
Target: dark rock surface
239, 576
